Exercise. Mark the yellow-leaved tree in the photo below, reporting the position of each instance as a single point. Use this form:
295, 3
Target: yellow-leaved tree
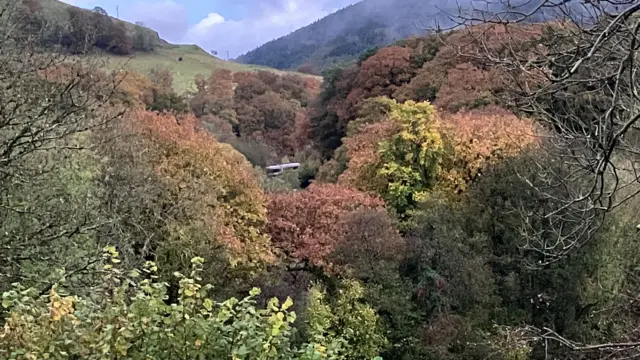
398, 156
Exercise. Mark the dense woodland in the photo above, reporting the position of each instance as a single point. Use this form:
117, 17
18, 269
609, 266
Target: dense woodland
443, 209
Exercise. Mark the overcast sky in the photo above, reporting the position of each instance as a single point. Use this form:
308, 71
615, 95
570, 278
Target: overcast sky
236, 26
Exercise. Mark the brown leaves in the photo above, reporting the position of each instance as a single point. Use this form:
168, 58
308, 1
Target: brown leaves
260, 105
467, 86
480, 137
306, 224
364, 158
381, 74
214, 185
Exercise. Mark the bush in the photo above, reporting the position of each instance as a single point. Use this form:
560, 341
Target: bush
129, 317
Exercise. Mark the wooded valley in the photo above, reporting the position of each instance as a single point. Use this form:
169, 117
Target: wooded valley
466, 194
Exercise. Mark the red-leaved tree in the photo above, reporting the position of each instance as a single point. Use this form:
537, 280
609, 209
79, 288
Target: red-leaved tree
305, 225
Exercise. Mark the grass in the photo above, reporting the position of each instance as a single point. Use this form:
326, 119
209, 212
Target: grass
194, 61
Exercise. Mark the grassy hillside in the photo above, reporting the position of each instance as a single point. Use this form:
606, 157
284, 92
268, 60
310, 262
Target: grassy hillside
194, 59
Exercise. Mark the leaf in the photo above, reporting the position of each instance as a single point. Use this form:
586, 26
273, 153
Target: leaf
208, 304
287, 303
254, 292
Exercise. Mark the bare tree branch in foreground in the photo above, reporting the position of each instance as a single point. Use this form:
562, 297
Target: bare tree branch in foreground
49, 101
572, 66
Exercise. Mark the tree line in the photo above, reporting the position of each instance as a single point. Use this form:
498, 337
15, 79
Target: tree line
79, 30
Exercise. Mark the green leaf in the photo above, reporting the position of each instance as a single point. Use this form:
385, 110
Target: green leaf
254, 292
287, 303
242, 351
208, 304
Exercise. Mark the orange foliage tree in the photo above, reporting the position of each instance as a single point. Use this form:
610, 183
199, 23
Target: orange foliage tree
306, 224
403, 152
467, 87
219, 208
364, 157
139, 87
214, 95
481, 137
269, 105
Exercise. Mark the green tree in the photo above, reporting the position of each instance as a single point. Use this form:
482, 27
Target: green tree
49, 104
345, 319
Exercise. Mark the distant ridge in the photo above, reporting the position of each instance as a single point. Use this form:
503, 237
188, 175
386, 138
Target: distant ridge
342, 36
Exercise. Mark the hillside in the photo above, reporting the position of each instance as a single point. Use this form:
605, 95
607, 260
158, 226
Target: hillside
343, 35
148, 50
195, 61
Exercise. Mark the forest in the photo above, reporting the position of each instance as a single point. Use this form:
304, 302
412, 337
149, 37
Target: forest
468, 194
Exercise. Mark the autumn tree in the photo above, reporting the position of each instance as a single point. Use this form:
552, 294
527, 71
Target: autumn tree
480, 138
137, 86
467, 87
267, 106
401, 156
591, 131
304, 224
164, 97
380, 75
195, 194
214, 96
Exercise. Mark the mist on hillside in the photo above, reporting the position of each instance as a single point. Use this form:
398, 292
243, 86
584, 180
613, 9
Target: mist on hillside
342, 36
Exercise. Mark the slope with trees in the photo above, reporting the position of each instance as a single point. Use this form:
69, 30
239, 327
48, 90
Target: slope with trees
445, 206
342, 36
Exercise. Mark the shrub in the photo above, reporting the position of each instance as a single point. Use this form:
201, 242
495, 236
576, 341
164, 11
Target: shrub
129, 317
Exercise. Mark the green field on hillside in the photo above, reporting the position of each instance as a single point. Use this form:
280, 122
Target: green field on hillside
194, 61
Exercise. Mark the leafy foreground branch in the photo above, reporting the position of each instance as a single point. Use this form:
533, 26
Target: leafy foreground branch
128, 317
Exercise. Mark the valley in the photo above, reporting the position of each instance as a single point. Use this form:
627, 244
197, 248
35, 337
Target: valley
465, 194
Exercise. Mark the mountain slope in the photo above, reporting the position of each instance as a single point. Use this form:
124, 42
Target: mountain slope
343, 35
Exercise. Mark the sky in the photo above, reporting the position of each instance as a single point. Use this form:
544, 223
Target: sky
236, 26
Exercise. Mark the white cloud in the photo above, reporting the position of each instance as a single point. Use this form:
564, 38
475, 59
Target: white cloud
205, 24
